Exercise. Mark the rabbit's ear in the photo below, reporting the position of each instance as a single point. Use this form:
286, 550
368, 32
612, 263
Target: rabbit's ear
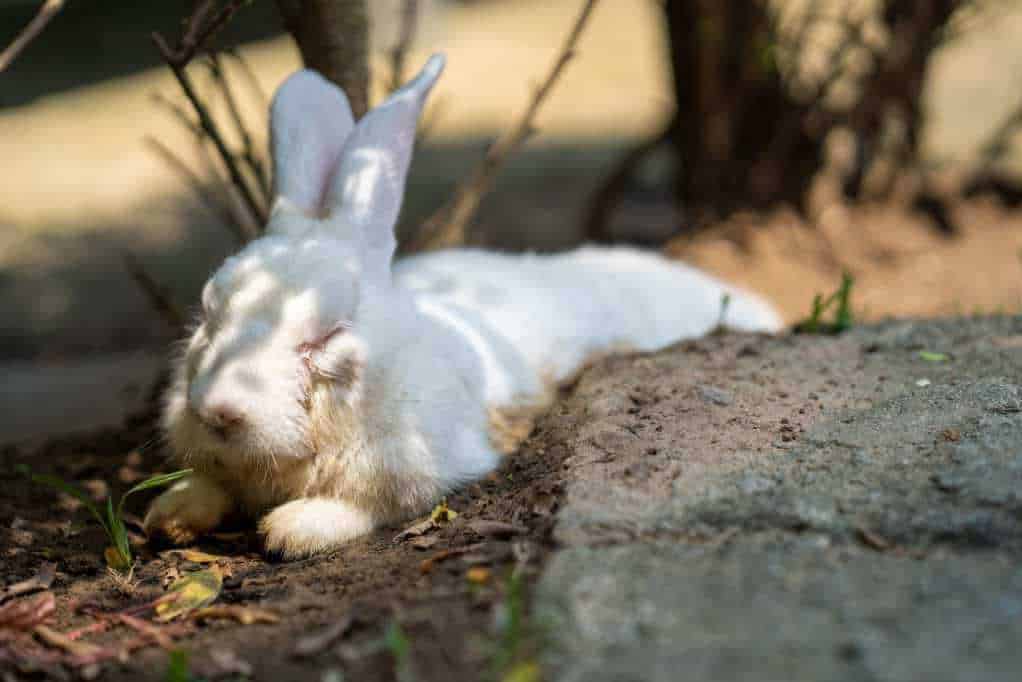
310, 120
365, 195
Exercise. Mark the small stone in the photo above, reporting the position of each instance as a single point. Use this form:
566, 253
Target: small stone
715, 396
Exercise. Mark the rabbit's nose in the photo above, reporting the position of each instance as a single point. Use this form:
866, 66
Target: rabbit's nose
221, 418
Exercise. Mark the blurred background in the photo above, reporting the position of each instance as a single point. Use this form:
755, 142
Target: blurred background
777, 144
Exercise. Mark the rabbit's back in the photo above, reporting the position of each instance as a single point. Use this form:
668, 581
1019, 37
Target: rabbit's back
532, 317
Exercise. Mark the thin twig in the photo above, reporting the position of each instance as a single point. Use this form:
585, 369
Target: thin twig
399, 53
254, 86
210, 128
199, 28
248, 152
447, 227
49, 10
158, 296
198, 187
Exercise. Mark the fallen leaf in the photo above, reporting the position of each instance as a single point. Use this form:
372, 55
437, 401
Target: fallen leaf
871, 539
320, 641
415, 530
480, 575
424, 541
496, 529
952, 435
198, 557
427, 564
40, 581
25, 614
246, 615
195, 590
442, 514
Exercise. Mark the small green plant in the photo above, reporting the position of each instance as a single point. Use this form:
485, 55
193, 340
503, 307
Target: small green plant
177, 667
518, 637
118, 555
841, 301
396, 642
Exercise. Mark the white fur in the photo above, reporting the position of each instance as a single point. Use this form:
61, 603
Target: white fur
363, 392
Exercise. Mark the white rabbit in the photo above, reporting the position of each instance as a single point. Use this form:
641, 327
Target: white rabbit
330, 394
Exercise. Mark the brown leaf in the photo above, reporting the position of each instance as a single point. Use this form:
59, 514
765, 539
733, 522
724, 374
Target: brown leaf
198, 557
25, 614
415, 530
320, 641
195, 590
246, 615
427, 564
40, 581
424, 541
873, 540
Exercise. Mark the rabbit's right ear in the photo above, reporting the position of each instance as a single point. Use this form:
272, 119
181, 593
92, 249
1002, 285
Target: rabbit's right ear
310, 120
365, 195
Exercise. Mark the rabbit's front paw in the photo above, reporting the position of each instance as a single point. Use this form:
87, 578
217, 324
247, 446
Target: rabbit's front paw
312, 525
192, 507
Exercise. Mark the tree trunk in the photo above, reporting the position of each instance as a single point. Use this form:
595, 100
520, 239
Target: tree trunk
333, 37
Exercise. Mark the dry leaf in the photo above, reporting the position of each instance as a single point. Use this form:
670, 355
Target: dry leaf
427, 564
246, 615
415, 530
195, 590
424, 541
40, 581
199, 557
480, 575
320, 641
442, 514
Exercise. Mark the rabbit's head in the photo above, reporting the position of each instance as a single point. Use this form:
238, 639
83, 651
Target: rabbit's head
286, 321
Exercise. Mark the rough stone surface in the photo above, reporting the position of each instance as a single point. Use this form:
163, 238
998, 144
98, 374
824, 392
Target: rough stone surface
801, 509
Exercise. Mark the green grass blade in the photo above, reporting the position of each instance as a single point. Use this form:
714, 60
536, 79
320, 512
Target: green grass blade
118, 533
158, 481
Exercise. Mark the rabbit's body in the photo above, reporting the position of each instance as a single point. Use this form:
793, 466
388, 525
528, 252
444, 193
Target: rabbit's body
532, 319
330, 395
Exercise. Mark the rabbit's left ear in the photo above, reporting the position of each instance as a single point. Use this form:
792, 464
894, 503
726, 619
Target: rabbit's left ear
364, 197
310, 120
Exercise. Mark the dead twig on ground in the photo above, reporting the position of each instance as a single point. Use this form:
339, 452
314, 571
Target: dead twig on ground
448, 226
46, 13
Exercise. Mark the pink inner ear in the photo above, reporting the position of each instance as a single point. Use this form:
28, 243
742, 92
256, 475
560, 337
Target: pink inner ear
320, 342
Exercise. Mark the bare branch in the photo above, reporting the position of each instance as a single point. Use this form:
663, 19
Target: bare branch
209, 126
249, 154
49, 10
333, 37
448, 226
200, 26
